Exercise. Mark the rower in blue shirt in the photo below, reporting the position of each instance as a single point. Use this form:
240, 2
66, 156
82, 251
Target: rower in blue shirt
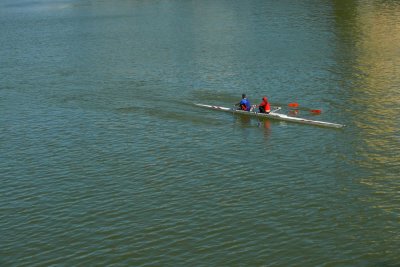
244, 104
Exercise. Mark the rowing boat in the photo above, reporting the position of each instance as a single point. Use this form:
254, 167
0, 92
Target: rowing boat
274, 115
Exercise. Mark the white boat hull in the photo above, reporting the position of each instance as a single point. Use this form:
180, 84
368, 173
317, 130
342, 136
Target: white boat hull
274, 115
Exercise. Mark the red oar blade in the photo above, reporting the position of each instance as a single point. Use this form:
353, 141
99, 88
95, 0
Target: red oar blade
296, 105
316, 111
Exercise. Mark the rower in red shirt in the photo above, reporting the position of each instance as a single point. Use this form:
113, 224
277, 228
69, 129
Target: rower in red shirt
264, 106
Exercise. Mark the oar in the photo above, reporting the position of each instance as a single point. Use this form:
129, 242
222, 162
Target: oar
275, 109
296, 105
316, 111
254, 108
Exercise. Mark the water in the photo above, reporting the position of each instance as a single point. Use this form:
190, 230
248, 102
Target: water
104, 159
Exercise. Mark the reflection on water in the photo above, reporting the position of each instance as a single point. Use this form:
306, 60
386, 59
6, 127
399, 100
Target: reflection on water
378, 92
267, 128
371, 34
242, 120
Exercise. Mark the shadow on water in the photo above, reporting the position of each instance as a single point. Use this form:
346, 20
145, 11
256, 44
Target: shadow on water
171, 115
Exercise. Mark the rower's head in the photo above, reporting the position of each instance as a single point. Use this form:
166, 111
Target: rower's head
265, 99
243, 95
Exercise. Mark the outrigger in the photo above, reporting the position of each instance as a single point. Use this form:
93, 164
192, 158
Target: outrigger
274, 115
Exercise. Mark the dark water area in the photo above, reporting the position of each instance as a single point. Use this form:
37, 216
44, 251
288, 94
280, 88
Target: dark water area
105, 160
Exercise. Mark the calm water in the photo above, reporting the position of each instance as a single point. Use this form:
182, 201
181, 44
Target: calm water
105, 161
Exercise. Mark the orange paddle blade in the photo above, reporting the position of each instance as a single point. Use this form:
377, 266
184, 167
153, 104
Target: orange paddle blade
316, 111
293, 105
